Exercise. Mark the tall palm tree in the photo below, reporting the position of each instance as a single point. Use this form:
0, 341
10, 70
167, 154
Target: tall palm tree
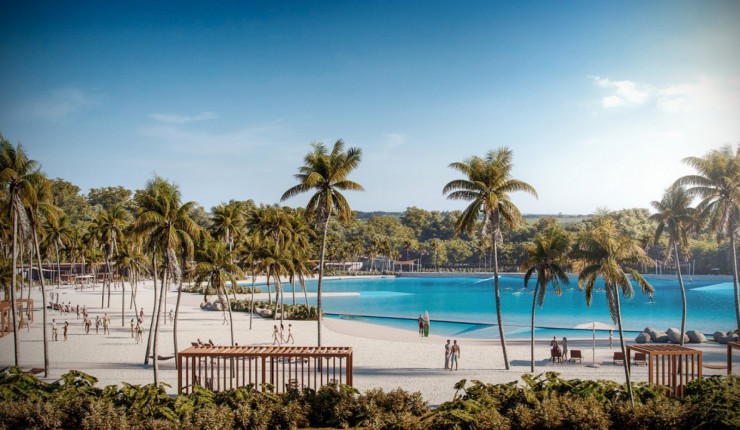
326, 174
166, 226
717, 185
602, 251
487, 185
17, 175
251, 250
42, 208
59, 234
109, 226
227, 222
215, 265
676, 217
547, 257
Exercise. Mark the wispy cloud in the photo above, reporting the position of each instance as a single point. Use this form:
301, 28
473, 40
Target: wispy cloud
61, 104
624, 93
394, 140
171, 118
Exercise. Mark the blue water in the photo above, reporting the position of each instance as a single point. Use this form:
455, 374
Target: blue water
465, 307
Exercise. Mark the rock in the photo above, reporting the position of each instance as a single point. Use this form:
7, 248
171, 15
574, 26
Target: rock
266, 313
660, 337
653, 334
642, 338
674, 335
724, 339
717, 335
696, 336
648, 330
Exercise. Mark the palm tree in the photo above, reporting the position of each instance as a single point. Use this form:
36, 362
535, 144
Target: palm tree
17, 176
676, 217
717, 185
59, 234
602, 251
487, 185
215, 265
42, 208
166, 226
251, 250
227, 223
326, 173
108, 227
547, 257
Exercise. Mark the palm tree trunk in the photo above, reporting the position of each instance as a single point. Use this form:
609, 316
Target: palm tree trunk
12, 286
123, 301
321, 276
621, 345
498, 303
59, 265
177, 313
251, 304
43, 304
231, 317
154, 310
292, 284
102, 297
735, 278
303, 287
534, 307
155, 320
683, 292
269, 294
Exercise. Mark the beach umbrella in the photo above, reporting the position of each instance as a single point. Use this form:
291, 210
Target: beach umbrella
594, 325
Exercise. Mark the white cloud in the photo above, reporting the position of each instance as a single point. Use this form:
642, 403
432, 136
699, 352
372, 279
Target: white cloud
704, 95
171, 118
394, 140
625, 93
61, 104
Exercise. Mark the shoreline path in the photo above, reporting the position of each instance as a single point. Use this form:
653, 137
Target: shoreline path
384, 357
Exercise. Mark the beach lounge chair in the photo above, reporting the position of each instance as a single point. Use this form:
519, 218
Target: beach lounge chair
618, 358
292, 385
194, 343
640, 359
575, 354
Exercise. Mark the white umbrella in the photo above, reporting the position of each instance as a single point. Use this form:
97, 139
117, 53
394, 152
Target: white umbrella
593, 326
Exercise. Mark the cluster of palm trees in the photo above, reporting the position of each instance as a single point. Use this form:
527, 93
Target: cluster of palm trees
161, 240
600, 249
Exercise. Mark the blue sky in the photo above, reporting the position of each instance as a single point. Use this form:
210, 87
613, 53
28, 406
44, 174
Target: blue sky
599, 101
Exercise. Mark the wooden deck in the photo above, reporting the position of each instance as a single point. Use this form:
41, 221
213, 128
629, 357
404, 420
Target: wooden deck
671, 366
266, 368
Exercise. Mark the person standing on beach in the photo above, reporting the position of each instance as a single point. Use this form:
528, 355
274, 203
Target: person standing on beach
54, 333
78, 311
553, 347
565, 349
106, 324
448, 351
290, 334
87, 323
132, 328
454, 354
66, 327
275, 335
97, 324
611, 339
421, 326
141, 314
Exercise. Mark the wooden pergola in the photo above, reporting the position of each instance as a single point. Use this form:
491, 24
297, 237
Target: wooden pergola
28, 304
220, 368
730, 347
5, 321
671, 366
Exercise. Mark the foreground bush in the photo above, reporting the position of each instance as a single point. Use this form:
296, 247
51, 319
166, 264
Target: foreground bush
539, 402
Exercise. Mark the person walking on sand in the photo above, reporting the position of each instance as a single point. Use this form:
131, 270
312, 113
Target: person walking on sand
97, 324
106, 324
66, 327
132, 328
421, 326
87, 323
454, 354
54, 332
275, 335
139, 334
448, 351
78, 311
290, 335
611, 339
565, 349
141, 314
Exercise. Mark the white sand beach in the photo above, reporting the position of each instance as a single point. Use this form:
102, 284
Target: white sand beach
383, 357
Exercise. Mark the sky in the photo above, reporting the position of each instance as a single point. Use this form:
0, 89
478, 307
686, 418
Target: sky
599, 101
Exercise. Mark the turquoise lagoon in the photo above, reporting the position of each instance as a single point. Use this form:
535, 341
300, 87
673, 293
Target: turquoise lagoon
465, 307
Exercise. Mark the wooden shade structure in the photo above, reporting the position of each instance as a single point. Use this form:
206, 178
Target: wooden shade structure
28, 305
219, 368
671, 366
5, 321
730, 347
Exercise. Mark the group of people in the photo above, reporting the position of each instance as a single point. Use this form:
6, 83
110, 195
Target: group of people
423, 326
278, 336
556, 351
55, 330
452, 354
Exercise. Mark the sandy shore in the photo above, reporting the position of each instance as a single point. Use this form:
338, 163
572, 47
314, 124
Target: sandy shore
383, 357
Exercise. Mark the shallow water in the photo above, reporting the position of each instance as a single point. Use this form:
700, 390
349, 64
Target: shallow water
465, 307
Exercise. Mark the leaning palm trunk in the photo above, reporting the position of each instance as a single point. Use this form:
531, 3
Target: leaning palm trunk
162, 293
154, 310
123, 302
12, 286
177, 313
59, 264
735, 278
683, 293
321, 277
43, 303
251, 305
534, 307
302, 282
625, 362
228, 307
498, 303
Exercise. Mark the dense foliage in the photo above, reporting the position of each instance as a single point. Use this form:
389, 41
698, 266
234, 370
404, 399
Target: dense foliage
539, 402
291, 312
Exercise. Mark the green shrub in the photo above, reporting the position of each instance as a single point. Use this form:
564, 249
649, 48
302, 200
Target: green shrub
397, 409
211, 417
714, 402
104, 415
654, 414
292, 312
332, 405
24, 413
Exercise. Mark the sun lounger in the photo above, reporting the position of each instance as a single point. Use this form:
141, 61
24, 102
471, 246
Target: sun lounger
575, 354
640, 359
618, 358
163, 357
